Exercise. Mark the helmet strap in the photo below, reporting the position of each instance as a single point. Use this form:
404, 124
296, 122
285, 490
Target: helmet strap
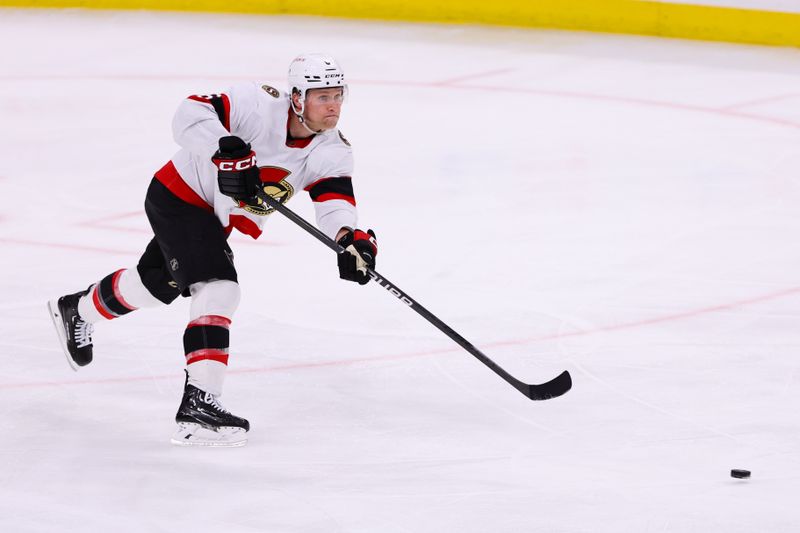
299, 115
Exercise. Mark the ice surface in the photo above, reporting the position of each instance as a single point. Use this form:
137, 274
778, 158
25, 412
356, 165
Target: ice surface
625, 208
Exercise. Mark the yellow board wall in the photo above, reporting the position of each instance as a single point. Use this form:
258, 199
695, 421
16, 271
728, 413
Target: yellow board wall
614, 16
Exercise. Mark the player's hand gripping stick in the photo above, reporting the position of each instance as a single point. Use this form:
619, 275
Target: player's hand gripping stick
237, 173
359, 254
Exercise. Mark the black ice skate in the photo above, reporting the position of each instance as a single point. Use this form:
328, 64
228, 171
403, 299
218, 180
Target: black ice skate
74, 333
203, 421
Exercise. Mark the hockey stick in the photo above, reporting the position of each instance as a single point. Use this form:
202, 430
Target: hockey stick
551, 389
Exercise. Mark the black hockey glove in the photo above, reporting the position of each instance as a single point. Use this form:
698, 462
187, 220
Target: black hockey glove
237, 173
359, 253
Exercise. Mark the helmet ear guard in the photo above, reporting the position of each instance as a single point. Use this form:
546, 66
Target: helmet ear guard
301, 100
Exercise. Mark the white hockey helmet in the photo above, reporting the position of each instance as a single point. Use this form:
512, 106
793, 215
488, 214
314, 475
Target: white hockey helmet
314, 71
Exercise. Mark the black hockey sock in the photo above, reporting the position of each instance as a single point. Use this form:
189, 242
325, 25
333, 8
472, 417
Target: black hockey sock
207, 339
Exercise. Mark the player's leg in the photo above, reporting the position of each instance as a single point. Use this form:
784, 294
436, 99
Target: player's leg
206, 339
117, 294
201, 417
195, 249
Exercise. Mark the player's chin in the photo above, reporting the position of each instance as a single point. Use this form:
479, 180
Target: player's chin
330, 122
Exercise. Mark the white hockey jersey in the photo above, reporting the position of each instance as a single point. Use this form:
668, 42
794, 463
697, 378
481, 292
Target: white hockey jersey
322, 165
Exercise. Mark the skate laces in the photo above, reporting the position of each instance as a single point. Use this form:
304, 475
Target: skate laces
83, 333
214, 402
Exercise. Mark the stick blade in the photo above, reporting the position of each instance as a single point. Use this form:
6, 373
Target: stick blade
554, 388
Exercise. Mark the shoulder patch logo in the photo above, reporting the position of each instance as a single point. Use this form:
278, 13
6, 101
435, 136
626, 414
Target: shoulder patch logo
272, 91
345, 141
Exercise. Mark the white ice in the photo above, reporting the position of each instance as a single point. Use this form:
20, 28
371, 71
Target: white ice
625, 208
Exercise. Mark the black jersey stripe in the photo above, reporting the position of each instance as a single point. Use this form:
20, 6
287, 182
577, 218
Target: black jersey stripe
222, 106
340, 187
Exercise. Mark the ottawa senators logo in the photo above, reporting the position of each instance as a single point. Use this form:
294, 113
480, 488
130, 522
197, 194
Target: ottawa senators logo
272, 91
281, 191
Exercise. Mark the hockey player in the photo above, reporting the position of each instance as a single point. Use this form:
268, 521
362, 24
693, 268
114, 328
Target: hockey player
232, 144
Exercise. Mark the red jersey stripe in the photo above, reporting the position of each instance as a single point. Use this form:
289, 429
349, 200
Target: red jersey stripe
244, 225
335, 196
169, 177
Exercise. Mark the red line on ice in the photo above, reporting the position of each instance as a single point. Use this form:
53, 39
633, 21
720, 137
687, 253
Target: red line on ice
477, 75
638, 101
729, 113
656, 320
68, 246
110, 218
760, 101
357, 360
103, 224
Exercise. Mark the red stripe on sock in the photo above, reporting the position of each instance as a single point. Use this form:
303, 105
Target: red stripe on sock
210, 320
207, 354
99, 305
117, 294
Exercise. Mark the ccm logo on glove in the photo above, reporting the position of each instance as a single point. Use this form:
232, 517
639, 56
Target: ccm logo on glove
237, 173
242, 164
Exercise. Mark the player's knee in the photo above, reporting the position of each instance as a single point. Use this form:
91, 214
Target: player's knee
158, 283
218, 297
132, 288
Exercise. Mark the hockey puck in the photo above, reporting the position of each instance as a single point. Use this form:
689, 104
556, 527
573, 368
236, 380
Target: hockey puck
740, 474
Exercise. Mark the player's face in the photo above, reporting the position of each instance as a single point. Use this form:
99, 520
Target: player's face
322, 108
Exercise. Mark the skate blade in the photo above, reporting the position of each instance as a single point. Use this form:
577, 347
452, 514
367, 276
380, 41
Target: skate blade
190, 434
55, 316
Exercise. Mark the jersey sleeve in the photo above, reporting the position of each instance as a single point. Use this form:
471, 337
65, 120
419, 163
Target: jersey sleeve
201, 120
332, 192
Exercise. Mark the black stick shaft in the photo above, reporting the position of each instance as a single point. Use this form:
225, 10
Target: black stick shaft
556, 387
